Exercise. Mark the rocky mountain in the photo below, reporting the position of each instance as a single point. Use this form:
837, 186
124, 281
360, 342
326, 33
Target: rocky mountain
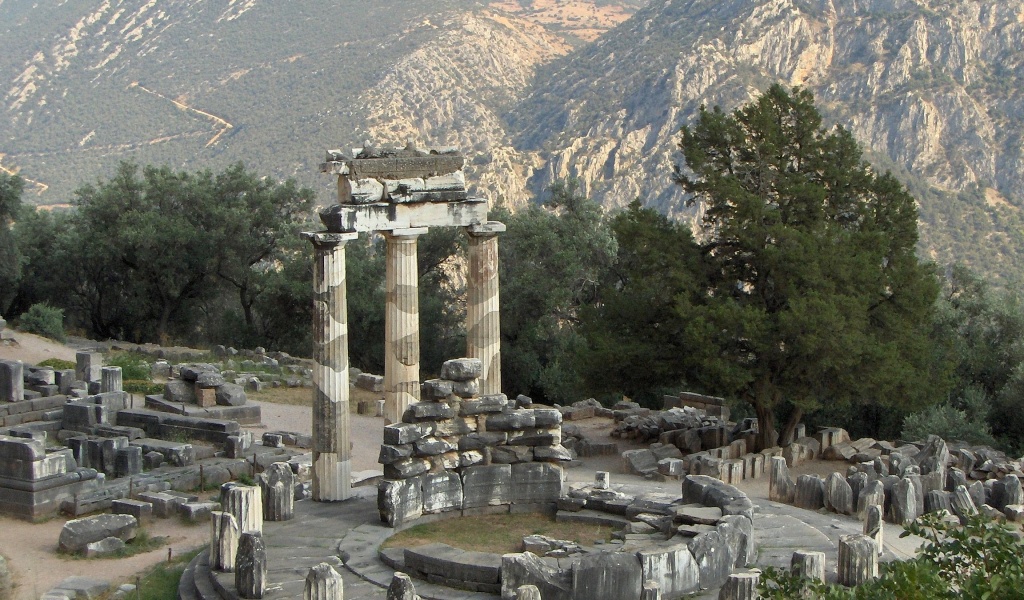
532, 90
932, 88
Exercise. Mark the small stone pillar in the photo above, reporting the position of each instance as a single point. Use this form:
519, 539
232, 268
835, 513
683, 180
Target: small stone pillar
12, 381
808, 565
323, 583
223, 541
528, 592
810, 492
873, 493
904, 502
483, 319
251, 566
277, 484
128, 461
858, 559
781, 487
962, 504
245, 503
88, 366
401, 588
401, 323
740, 586
873, 527
331, 452
650, 590
110, 379
602, 480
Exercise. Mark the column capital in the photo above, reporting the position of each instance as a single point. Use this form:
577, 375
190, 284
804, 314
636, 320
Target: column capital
326, 238
409, 233
488, 229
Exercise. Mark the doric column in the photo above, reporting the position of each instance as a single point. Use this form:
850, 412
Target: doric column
483, 320
331, 451
401, 324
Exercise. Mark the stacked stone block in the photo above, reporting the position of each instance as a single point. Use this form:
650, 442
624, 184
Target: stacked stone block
456, 450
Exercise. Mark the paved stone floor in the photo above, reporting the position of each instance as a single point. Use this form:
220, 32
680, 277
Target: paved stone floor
324, 531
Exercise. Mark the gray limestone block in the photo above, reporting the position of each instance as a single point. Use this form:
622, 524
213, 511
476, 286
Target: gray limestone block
838, 495
462, 369
481, 440
937, 500
210, 380
470, 458
436, 389
142, 511
466, 389
104, 547
191, 372
494, 403
406, 468
251, 565
152, 460
399, 501
508, 455
537, 439
738, 533
713, 557
672, 568
608, 576
640, 461
428, 411
391, 453
197, 512
128, 461
547, 417
442, 492
230, 394
661, 451
433, 446
810, 492
527, 569
536, 483
83, 588
553, 454
77, 533
370, 382
511, 420
406, 433
180, 391
486, 485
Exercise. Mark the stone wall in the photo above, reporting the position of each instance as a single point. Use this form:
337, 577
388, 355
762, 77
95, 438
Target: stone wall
458, 451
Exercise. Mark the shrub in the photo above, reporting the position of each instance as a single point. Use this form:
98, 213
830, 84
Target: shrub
58, 364
949, 422
44, 320
142, 387
981, 560
133, 366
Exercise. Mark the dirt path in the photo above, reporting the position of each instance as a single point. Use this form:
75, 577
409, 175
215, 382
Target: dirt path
33, 349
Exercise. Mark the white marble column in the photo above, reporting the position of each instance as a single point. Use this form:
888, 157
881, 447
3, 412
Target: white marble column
331, 450
401, 323
483, 317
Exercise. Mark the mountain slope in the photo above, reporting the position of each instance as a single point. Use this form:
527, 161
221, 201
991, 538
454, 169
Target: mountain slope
931, 88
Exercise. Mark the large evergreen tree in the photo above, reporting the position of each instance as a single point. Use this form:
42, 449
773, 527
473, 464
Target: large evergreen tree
814, 292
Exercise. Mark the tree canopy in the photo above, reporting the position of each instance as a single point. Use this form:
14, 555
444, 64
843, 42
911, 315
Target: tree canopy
814, 291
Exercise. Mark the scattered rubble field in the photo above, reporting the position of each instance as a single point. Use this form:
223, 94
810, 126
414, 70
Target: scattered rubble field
499, 534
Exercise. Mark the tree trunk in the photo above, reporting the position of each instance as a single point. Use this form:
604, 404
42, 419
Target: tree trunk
765, 424
787, 432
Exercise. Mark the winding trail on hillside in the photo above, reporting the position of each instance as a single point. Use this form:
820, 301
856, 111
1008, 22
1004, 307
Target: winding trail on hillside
222, 125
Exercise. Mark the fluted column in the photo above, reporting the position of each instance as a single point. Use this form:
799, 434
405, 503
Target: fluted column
331, 451
483, 320
401, 323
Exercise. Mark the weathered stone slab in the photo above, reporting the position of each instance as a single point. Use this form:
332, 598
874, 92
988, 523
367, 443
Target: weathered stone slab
251, 565
673, 569
442, 492
527, 569
486, 485
810, 492
534, 483
714, 561
607, 576
399, 501
78, 533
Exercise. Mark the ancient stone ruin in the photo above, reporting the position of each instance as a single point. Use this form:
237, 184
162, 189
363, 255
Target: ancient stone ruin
399, 193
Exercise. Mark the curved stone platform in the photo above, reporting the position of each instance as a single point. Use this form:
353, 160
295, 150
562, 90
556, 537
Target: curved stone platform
349, 534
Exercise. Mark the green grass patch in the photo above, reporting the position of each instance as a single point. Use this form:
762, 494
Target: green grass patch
496, 533
58, 364
142, 387
161, 581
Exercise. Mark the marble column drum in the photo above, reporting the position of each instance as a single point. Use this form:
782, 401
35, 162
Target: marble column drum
331, 451
483, 317
401, 324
